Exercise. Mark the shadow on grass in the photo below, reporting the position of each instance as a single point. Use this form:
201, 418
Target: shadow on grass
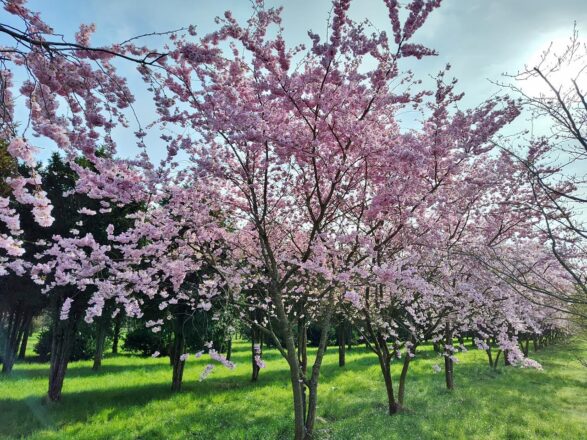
500, 394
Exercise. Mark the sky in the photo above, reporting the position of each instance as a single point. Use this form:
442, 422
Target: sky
480, 38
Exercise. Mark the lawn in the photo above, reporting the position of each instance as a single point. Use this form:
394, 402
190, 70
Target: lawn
131, 399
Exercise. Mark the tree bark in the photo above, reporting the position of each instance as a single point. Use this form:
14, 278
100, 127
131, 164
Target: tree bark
116, 335
61, 344
313, 388
256, 350
496, 359
304, 411
25, 337
525, 347
489, 357
448, 362
100, 342
295, 374
385, 364
12, 342
402, 379
341, 345
229, 349
177, 362
303, 361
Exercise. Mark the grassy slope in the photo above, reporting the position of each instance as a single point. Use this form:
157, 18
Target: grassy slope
130, 399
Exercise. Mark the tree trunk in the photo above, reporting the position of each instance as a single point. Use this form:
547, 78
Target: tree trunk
385, 364
61, 344
526, 347
303, 360
402, 379
496, 359
229, 349
448, 362
303, 421
12, 342
5, 323
100, 342
171, 347
177, 362
25, 337
313, 388
295, 375
489, 357
448, 372
116, 335
256, 350
341, 345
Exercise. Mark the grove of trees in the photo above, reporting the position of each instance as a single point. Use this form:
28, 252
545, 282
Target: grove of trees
292, 207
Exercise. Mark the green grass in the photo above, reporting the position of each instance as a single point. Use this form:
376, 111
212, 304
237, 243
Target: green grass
130, 399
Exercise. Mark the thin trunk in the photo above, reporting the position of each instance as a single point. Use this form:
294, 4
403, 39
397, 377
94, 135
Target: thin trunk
295, 375
489, 357
229, 349
177, 362
256, 350
496, 359
170, 351
302, 430
526, 347
116, 335
341, 345
448, 372
12, 341
303, 360
402, 379
4, 331
25, 337
313, 394
448, 362
100, 342
385, 364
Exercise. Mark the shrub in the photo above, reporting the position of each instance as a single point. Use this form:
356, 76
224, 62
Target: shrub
143, 340
83, 348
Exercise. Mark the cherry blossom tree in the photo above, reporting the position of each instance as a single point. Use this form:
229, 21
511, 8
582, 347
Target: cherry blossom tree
552, 89
288, 151
292, 191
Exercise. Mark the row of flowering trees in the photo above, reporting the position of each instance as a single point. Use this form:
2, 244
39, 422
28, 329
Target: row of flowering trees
291, 193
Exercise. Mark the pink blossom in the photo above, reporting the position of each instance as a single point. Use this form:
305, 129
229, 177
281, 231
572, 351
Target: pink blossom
207, 370
20, 149
65, 308
86, 211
